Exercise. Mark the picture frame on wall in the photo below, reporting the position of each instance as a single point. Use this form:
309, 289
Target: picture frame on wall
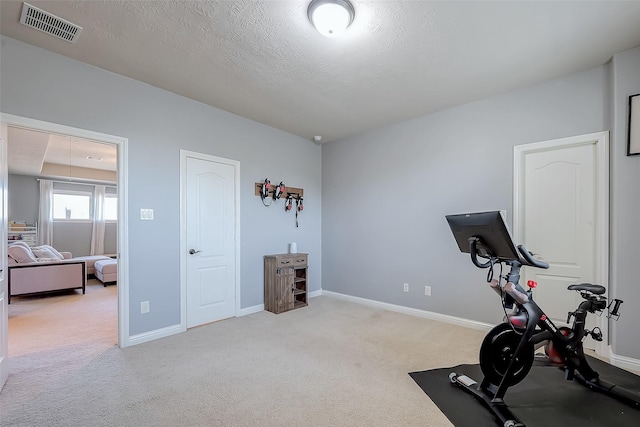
633, 141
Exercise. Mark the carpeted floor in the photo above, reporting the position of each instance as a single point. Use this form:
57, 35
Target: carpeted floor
543, 398
333, 363
84, 323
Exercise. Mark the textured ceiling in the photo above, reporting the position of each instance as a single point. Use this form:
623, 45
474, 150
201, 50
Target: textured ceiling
399, 60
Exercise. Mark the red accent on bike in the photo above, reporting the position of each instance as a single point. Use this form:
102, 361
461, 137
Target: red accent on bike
518, 321
532, 283
543, 317
551, 351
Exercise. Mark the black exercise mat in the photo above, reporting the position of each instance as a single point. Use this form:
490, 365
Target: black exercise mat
543, 398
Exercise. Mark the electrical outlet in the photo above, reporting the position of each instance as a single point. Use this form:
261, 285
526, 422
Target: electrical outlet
144, 307
427, 291
406, 287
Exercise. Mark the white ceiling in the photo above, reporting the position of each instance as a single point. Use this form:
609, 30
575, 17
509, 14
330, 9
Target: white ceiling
263, 60
35, 153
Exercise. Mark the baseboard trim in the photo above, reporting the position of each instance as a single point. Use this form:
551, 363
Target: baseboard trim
154, 335
176, 329
315, 293
251, 310
260, 307
411, 311
624, 362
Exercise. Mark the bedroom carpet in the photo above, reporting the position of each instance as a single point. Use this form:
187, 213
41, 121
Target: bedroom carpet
543, 398
66, 321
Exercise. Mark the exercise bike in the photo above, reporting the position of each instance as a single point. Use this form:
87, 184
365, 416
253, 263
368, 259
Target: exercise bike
507, 352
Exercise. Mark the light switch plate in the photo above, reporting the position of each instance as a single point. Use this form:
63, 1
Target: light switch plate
146, 214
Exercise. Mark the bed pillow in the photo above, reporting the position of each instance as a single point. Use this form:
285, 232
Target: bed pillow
46, 251
55, 252
19, 243
21, 254
43, 252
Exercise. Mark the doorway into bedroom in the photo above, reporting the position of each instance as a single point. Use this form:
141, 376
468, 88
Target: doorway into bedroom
63, 191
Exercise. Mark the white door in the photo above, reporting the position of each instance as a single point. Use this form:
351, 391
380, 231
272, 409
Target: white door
561, 205
4, 310
210, 213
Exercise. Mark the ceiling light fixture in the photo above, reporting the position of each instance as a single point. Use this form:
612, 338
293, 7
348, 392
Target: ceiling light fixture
331, 17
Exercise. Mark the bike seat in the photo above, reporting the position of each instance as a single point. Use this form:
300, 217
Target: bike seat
594, 289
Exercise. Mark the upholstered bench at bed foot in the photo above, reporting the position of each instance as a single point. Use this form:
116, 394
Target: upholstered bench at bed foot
107, 270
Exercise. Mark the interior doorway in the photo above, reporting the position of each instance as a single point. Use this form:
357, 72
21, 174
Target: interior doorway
107, 142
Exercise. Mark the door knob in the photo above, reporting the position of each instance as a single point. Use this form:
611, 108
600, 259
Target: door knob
193, 251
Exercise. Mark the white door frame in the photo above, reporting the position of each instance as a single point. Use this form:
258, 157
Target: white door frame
4, 277
184, 154
123, 219
602, 207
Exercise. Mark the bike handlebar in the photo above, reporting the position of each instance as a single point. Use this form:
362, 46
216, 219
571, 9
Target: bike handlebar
530, 259
527, 257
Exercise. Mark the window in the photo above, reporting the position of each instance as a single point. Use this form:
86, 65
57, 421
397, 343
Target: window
71, 205
110, 207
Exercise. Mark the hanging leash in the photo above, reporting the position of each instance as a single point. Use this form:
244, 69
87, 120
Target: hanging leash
264, 192
299, 208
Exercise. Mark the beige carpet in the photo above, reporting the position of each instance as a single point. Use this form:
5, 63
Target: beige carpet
88, 322
333, 363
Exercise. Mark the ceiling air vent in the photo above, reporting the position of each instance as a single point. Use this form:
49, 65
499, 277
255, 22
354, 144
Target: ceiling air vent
48, 23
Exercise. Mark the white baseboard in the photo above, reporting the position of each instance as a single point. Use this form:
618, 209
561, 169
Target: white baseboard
412, 311
176, 329
260, 307
624, 362
154, 335
315, 293
251, 310
171, 330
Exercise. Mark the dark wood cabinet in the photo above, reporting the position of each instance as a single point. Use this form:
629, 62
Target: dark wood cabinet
285, 282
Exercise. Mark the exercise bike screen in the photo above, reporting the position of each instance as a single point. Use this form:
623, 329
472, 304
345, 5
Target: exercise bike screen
490, 228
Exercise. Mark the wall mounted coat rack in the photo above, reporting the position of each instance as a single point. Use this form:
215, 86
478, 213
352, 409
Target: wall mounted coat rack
293, 190
281, 191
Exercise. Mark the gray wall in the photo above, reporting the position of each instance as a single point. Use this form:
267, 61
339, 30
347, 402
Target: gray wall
386, 193
625, 207
71, 237
22, 199
45, 86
